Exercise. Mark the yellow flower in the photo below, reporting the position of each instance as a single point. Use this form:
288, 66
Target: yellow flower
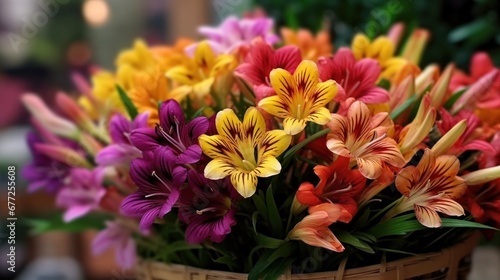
104, 96
382, 49
300, 98
139, 57
197, 74
151, 88
243, 151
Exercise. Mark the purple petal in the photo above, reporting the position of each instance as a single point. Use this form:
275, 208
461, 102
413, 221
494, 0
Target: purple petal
148, 219
126, 254
169, 203
171, 114
76, 212
195, 128
145, 139
117, 154
140, 121
190, 155
119, 127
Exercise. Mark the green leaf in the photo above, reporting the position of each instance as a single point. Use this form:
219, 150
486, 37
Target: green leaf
129, 105
276, 270
347, 238
396, 226
456, 223
403, 107
384, 84
227, 260
260, 205
268, 258
180, 245
56, 223
255, 216
274, 214
268, 242
454, 99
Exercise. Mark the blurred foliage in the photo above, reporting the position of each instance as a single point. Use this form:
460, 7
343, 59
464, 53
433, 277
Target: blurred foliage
458, 27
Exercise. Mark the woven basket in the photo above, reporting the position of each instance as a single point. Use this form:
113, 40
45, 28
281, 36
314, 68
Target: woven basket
451, 263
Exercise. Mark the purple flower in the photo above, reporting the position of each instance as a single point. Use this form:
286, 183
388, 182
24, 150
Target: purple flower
234, 33
43, 172
82, 194
206, 207
118, 236
180, 139
159, 180
122, 151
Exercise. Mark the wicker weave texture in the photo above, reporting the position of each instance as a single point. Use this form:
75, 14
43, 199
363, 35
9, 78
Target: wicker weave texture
449, 264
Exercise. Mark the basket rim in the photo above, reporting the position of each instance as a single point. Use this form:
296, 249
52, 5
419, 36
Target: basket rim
398, 269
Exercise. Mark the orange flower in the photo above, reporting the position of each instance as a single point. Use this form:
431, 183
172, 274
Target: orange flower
430, 187
313, 229
363, 138
311, 47
338, 185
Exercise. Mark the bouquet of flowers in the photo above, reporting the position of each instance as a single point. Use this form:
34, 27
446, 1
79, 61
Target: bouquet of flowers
254, 152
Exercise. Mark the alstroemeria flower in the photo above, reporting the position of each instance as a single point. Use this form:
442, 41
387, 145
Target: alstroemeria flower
180, 139
261, 60
243, 151
159, 180
234, 33
483, 202
382, 49
150, 89
338, 185
491, 159
311, 46
363, 138
314, 228
207, 208
480, 65
43, 172
357, 78
197, 76
122, 151
430, 187
82, 193
469, 139
118, 236
300, 98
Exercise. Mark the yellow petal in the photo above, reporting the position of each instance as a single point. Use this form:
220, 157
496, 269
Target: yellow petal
268, 166
218, 169
244, 182
202, 88
306, 76
181, 74
323, 94
381, 49
283, 84
275, 106
214, 146
204, 56
371, 168
322, 116
294, 126
228, 125
359, 45
254, 125
275, 142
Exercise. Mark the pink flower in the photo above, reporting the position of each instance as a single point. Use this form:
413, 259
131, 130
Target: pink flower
357, 78
118, 236
261, 60
469, 139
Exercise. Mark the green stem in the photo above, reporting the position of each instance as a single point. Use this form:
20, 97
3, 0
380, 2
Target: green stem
394, 205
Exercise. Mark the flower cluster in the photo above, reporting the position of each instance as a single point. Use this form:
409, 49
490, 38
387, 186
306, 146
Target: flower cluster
267, 143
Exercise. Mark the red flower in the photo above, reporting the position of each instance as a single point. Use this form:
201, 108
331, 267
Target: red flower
357, 78
261, 60
338, 185
483, 202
